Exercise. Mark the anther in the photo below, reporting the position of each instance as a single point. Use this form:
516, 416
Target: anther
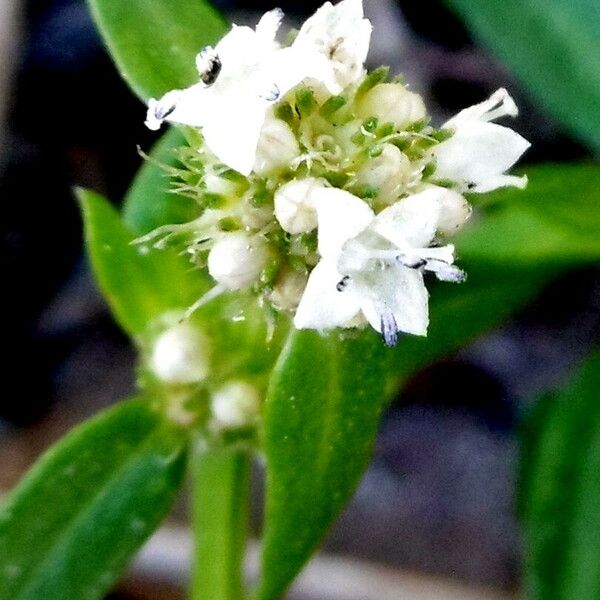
389, 329
343, 283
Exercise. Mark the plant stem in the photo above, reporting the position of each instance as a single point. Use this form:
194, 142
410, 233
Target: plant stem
220, 523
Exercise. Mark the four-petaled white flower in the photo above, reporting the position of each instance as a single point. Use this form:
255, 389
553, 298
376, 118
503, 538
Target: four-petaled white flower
372, 265
248, 71
480, 152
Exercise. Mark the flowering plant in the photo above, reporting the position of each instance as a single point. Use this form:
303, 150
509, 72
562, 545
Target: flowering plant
270, 265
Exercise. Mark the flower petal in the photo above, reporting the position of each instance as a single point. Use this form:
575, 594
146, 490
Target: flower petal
411, 222
342, 35
499, 104
397, 290
478, 154
341, 216
322, 306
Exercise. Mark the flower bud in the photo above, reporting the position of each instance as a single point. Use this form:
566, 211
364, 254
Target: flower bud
237, 259
236, 404
277, 147
288, 289
389, 173
454, 212
393, 103
180, 355
294, 208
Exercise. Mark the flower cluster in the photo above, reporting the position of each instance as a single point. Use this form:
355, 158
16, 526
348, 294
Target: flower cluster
322, 188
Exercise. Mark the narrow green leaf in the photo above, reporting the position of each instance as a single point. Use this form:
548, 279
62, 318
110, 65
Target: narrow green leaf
220, 523
560, 489
140, 283
322, 412
72, 525
149, 203
553, 47
555, 220
154, 42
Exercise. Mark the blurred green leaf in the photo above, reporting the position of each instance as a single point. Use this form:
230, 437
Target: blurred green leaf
555, 220
149, 203
140, 283
74, 522
553, 47
154, 42
560, 491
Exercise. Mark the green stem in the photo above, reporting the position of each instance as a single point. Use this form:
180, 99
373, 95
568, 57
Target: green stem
220, 523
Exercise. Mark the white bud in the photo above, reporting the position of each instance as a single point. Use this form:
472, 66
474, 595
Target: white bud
454, 212
277, 146
180, 355
219, 185
236, 404
390, 173
288, 290
393, 103
236, 260
294, 207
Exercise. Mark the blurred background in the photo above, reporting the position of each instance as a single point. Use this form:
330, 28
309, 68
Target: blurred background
435, 514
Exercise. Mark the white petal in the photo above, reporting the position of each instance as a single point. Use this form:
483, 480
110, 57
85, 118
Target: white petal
341, 216
411, 222
269, 24
232, 131
186, 107
342, 35
400, 291
477, 154
499, 104
322, 306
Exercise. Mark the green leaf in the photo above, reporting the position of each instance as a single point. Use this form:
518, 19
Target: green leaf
553, 47
149, 203
72, 525
560, 490
555, 220
154, 42
220, 522
322, 412
140, 283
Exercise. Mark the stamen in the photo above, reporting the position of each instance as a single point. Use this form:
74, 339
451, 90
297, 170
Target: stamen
412, 262
446, 272
209, 65
389, 329
162, 112
273, 94
343, 283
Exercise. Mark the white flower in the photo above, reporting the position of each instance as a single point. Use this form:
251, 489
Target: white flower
236, 260
236, 404
373, 265
248, 71
180, 355
480, 152
341, 36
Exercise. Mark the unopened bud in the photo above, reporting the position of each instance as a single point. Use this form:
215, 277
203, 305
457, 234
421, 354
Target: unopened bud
294, 207
277, 146
235, 405
236, 260
393, 103
389, 173
180, 355
454, 212
288, 290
